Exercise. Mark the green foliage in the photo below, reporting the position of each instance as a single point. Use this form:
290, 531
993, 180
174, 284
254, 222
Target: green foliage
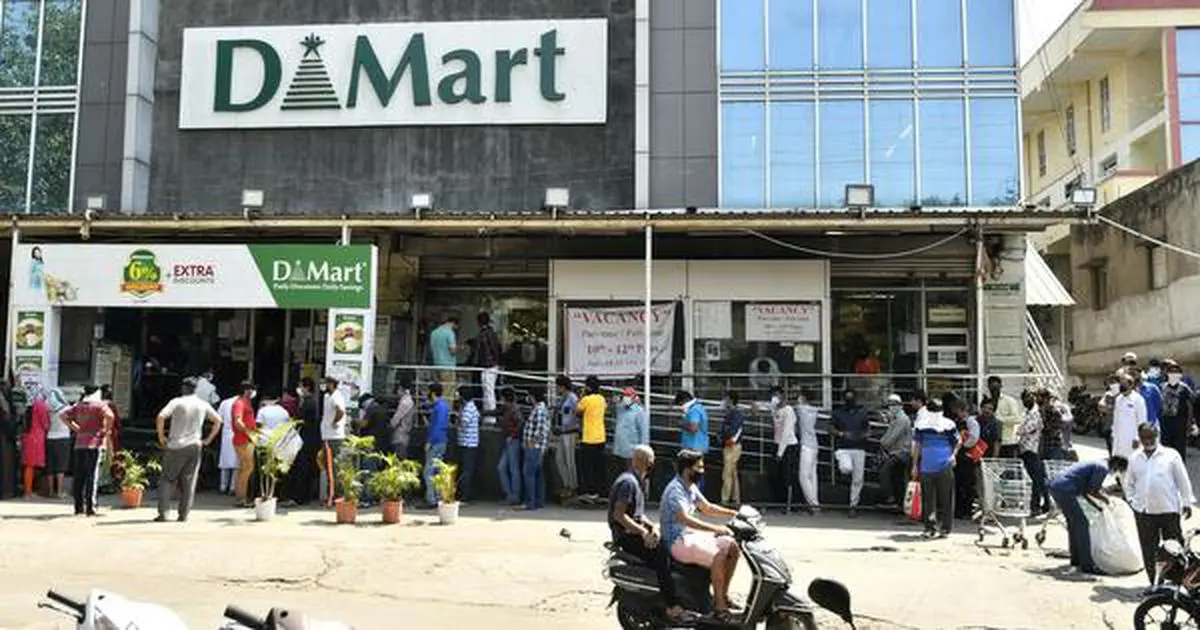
270, 467
396, 479
136, 474
443, 480
347, 470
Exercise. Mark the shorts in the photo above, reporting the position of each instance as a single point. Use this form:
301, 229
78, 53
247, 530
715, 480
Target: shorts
58, 456
699, 548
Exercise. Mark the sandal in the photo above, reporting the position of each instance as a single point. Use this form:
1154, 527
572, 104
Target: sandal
724, 617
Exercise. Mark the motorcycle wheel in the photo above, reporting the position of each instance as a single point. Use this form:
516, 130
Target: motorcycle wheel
1166, 608
791, 621
633, 619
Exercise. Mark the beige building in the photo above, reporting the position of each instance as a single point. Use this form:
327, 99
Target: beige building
1107, 103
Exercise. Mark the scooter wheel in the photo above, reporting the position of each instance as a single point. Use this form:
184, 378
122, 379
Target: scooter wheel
782, 621
632, 619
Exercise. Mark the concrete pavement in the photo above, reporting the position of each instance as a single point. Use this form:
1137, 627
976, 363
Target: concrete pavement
509, 570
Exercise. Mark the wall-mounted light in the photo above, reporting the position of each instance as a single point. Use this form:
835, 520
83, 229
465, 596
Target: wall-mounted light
859, 196
97, 202
252, 198
1083, 197
421, 201
558, 198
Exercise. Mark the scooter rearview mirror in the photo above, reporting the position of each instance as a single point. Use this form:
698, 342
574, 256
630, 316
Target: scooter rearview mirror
832, 596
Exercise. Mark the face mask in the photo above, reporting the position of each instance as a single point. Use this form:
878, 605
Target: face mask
1153, 372
254, 393
1114, 388
626, 400
774, 401
1174, 378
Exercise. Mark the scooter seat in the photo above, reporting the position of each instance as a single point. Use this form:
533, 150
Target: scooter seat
622, 555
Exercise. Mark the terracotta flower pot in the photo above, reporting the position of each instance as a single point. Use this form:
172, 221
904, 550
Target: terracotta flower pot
392, 511
347, 511
131, 497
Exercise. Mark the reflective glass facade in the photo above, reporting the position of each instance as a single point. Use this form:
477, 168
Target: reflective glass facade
1187, 62
39, 63
918, 97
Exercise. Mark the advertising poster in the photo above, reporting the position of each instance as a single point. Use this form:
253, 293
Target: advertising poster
612, 341
30, 333
349, 335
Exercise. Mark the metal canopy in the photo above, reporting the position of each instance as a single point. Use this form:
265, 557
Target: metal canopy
1042, 287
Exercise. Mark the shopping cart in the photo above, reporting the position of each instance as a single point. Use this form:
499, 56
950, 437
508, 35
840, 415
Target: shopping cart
1005, 495
1054, 468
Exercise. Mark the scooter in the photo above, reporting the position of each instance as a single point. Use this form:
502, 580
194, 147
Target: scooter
105, 611
277, 619
640, 605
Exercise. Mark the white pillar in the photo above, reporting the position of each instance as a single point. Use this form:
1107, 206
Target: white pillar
9, 342
980, 319
649, 314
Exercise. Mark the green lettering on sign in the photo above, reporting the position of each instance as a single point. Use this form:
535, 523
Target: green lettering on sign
506, 60
549, 52
272, 75
471, 76
414, 58
316, 276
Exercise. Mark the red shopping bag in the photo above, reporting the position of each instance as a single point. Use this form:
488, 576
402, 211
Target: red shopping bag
912, 501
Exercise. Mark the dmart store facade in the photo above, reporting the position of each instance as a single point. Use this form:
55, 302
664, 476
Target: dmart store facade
143, 316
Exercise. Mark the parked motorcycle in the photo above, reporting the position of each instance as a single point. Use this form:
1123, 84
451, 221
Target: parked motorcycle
1174, 600
640, 605
277, 619
106, 611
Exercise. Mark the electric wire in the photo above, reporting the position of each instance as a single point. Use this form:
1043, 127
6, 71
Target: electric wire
1146, 237
853, 256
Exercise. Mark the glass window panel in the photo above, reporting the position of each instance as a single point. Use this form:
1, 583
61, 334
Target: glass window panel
995, 169
793, 155
743, 155
990, 40
1187, 50
1189, 98
52, 163
893, 153
18, 42
60, 42
842, 150
1190, 142
889, 34
791, 41
14, 162
840, 29
939, 34
742, 35
943, 153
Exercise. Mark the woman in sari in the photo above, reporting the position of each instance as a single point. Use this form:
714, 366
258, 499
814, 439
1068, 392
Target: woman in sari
33, 442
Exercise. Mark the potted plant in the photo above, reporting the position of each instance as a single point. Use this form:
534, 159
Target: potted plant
275, 450
444, 486
392, 482
348, 475
134, 477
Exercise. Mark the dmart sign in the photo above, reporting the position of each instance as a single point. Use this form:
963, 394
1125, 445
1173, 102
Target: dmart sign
512, 72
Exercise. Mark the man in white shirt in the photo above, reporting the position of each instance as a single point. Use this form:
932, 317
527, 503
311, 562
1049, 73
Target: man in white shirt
1011, 415
205, 390
1160, 492
182, 446
333, 433
58, 443
787, 448
1129, 412
227, 460
270, 415
806, 420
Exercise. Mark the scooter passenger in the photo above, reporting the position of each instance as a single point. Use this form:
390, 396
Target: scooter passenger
693, 541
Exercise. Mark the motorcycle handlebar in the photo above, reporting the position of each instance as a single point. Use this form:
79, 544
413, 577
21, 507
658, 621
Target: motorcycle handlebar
246, 619
76, 606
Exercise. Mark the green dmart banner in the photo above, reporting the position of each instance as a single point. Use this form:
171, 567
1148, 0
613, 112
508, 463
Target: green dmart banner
208, 276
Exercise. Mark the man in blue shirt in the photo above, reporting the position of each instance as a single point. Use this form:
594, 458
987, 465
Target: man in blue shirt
731, 445
693, 433
693, 541
1082, 481
935, 447
435, 440
1151, 393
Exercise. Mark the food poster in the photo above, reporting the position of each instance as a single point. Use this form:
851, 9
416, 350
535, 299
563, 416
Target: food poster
349, 334
30, 372
30, 333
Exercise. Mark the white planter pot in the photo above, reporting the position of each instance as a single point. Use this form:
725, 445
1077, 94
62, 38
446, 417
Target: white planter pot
264, 509
448, 513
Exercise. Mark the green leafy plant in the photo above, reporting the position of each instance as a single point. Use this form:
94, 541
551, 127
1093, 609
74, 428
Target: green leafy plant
443, 480
271, 465
347, 470
396, 479
136, 475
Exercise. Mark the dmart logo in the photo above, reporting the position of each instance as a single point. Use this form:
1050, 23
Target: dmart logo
317, 273
499, 72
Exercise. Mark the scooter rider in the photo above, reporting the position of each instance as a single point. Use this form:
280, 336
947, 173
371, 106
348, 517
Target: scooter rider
691, 540
637, 535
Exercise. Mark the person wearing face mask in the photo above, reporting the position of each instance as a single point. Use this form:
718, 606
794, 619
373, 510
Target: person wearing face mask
731, 449
1177, 411
693, 433
693, 541
1159, 492
1009, 413
632, 428
1151, 394
895, 445
244, 426
1129, 412
785, 478
849, 427
1030, 433
1104, 409
806, 423
333, 434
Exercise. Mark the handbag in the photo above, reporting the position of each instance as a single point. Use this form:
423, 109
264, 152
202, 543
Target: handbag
912, 501
976, 453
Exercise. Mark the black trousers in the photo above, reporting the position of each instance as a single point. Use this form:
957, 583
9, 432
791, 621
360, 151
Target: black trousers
303, 474
1152, 530
785, 475
937, 500
591, 469
659, 558
893, 476
1039, 499
85, 462
965, 472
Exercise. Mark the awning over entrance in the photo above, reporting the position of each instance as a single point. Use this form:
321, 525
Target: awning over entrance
1042, 287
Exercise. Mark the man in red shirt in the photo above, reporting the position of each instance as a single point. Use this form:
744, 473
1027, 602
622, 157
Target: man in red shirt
91, 420
244, 426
